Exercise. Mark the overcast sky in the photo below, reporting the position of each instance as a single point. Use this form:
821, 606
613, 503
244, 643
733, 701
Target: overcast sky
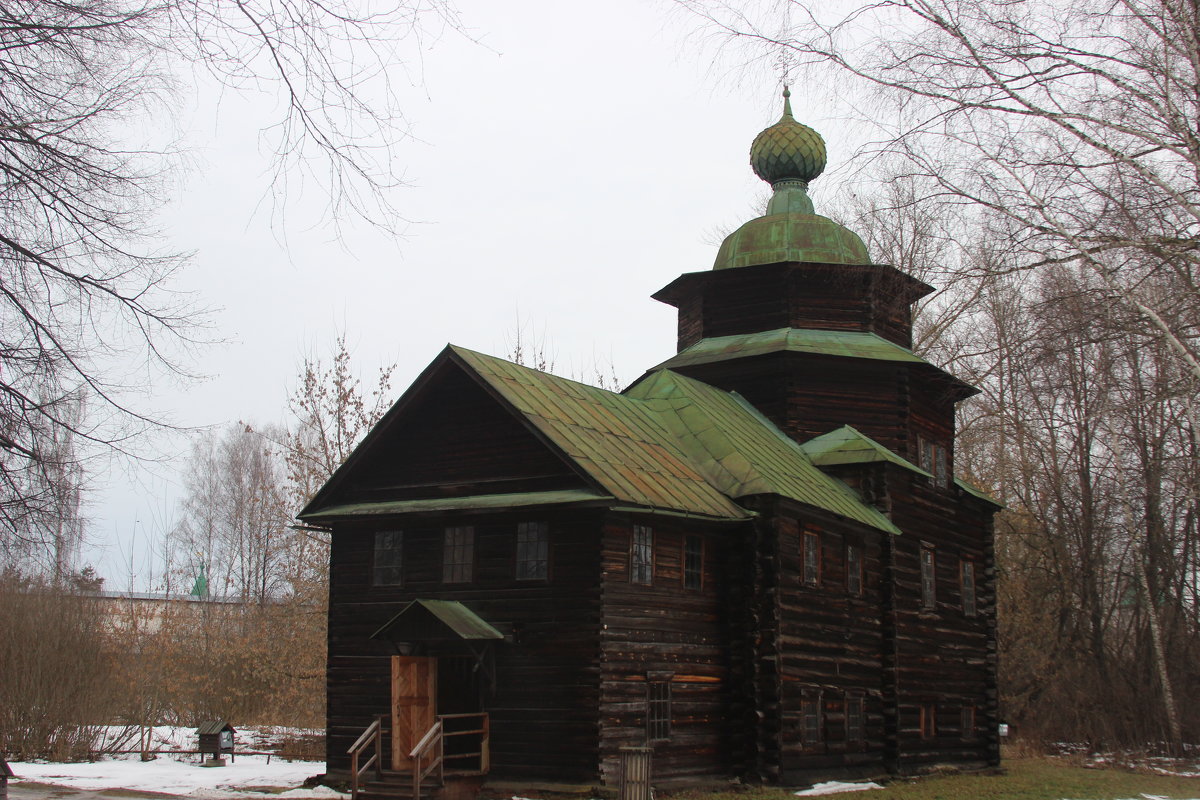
576, 159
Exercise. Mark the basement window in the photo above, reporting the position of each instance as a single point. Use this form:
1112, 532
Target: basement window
812, 728
388, 569
967, 724
928, 720
855, 718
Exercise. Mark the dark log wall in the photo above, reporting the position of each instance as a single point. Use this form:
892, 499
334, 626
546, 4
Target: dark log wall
873, 299
456, 440
543, 710
665, 631
944, 659
829, 646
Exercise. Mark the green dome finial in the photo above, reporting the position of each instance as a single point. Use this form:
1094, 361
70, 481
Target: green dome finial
788, 155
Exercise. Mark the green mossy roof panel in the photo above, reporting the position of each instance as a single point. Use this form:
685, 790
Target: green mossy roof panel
619, 442
458, 619
854, 344
975, 491
742, 452
847, 445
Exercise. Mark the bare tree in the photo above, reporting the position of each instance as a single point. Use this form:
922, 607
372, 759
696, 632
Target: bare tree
86, 306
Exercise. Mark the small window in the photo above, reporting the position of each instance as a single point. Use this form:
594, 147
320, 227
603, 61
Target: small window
855, 719
532, 551
928, 579
658, 709
389, 558
941, 467
968, 588
693, 562
812, 728
641, 555
854, 570
926, 448
458, 555
968, 722
811, 544
928, 720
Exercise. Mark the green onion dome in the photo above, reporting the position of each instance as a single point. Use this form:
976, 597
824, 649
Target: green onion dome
788, 155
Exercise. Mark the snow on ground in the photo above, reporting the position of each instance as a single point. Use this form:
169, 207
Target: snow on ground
181, 774
247, 775
836, 787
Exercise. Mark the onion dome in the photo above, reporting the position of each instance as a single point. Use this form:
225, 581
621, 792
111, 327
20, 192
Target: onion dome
788, 155
788, 150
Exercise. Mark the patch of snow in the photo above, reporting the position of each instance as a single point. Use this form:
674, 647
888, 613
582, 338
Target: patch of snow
245, 776
836, 787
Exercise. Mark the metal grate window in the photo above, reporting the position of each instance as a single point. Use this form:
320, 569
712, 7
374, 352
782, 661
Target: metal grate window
968, 588
533, 551
458, 555
693, 562
812, 728
855, 719
389, 558
811, 544
641, 556
854, 570
658, 709
928, 579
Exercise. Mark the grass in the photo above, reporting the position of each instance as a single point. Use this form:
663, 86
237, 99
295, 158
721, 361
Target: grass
1022, 779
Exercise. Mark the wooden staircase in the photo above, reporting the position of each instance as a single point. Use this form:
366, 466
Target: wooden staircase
436, 773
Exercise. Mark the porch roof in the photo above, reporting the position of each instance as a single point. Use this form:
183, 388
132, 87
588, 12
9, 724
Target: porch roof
423, 620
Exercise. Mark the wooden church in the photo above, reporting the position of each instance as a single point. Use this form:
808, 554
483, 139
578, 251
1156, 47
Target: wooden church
756, 560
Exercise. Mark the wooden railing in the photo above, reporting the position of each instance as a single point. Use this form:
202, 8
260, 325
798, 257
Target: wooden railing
430, 753
373, 735
426, 757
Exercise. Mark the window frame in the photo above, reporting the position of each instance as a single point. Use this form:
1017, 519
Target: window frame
855, 572
810, 558
658, 707
812, 719
641, 555
970, 598
928, 575
540, 531
461, 569
693, 573
394, 568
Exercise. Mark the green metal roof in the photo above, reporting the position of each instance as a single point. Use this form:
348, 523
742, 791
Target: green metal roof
457, 618
478, 502
975, 491
854, 344
847, 445
617, 441
743, 453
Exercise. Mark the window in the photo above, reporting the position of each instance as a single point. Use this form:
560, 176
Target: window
855, 722
812, 729
968, 722
811, 545
641, 555
935, 460
928, 720
458, 555
658, 708
928, 579
854, 569
389, 558
693, 562
968, 588
532, 552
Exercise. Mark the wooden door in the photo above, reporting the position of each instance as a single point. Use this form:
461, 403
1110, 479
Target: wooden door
414, 705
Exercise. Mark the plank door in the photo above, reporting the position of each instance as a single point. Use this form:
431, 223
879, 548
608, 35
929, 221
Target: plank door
414, 705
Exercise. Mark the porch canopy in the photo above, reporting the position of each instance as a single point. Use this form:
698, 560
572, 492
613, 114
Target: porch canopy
436, 621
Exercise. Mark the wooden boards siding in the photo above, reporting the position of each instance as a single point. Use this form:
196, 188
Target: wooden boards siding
666, 632
543, 705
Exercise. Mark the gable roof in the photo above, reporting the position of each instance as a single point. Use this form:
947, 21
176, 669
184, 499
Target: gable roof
432, 619
670, 443
847, 445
